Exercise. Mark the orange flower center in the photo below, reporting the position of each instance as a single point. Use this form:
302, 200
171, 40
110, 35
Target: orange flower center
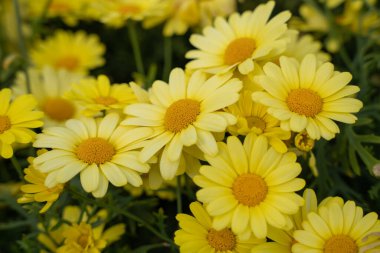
5, 123
304, 102
239, 50
249, 189
340, 244
59, 7
105, 100
223, 240
67, 62
58, 109
181, 114
129, 9
95, 150
254, 121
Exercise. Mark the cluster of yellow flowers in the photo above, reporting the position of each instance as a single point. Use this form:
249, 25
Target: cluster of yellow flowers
270, 90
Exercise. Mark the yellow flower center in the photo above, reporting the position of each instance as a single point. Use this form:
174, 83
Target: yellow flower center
340, 244
129, 9
254, 121
303, 142
5, 123
58, 109
105, 100
95, 150
239, 50
67, 62
223, 240
181, 114
304, 102
249, 189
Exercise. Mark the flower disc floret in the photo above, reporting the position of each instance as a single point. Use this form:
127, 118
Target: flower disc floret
5, 123
181, 114
95, 150
223, 240
58, 109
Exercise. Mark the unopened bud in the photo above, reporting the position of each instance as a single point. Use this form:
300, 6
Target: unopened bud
303, 142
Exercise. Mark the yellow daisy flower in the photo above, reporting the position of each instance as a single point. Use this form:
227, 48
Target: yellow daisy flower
35, 190
80, 233
116, 12
68, 10
180, 15
337, 227
307, 96
100, 150
196, 234
184, 112
245, 40
48, 87
97, 95
16, 119
75, 52
253, 118
250, 185
300, 46
283, 239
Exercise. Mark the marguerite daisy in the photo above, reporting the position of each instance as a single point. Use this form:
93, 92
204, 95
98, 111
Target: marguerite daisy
248, 186
196, 234
100, 150
48, 87
76, 52
97, 95
184, 112
253, 118
242, 42
307, 96
337, 227
35, 189
16, 119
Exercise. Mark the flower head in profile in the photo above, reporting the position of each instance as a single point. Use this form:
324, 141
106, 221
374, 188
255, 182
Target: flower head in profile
184, 113
17, 118
305, 96
242, 42
35, 190
253, 118
69, 10
48, 86
75, 52
250, 186
338, 227
180, 15
80, 233
116, 13
97, 95
196, 234
100, 150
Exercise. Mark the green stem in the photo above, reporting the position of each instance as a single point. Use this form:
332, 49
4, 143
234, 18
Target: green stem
21, 42
136, 47
167, 58
124, 213
40, 19
18, 168
179, 195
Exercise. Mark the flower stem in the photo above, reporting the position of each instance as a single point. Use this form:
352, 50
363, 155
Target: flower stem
18, 168
136, 47
124, 213
21, 42
178, 193
167, 58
